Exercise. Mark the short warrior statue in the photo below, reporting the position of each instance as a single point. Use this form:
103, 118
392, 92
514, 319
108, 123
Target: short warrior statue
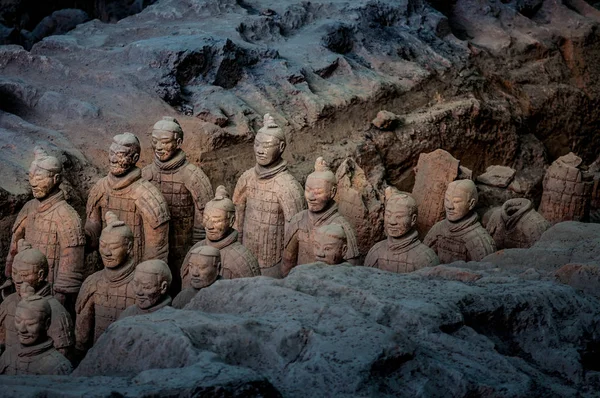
52, 226
134, 200
35, 353
266, 198
236, 260
30, 269
106, 293
330, 244
185, 187
203, 267
516, 224
151, 281
460, 236
402, 251
320, 190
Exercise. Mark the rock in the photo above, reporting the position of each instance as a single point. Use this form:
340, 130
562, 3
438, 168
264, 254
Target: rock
58, 23
385, 120
450, 273
497, 176
584, 277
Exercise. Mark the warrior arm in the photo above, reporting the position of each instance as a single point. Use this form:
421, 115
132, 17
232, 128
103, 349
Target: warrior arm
3, 313
431, 238
71, 270
85, 316
372, 258
290, 251
239, 200
18, 232
93, 222
156, 242
198, 184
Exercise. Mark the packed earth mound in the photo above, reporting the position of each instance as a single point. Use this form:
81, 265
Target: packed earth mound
466, 329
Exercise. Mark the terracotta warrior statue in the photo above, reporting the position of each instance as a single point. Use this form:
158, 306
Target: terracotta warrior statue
106, 293
460, 236
204, 263
319, 192
35, 353
330, 244
52, 226
516, 224
151, 281
30, 270
133, 199
402, 251
185, 187
236, 260
266, 198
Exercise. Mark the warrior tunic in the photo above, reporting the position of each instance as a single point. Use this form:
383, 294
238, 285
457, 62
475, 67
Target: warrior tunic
406, 254
39, 359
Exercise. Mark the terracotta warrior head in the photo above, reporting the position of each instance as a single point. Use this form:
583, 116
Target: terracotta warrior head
123, 154
320, 187
45, 174
167, 137
219, 215
32, 319
30, 267
461, 198
400, 213
116, 242
151, 281
204, 265
269, 143
330, 244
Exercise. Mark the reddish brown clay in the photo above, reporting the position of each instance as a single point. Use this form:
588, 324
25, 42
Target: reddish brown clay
52, 226
184, 186
204, 263
30, 270
460, 236
516, 224
566, 193
219, 218
133, 199
106, 293
151, 281
319, 192
266, 198
402, 251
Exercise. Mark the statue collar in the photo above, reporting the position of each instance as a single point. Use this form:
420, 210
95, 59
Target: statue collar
172, 164
126, 180
45, 290
264, 173
31, 351
165, 302
318, 219
397, 244
122, 275
226, 241
465, 225
50, 201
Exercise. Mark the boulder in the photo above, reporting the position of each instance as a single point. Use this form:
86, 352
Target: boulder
497, 176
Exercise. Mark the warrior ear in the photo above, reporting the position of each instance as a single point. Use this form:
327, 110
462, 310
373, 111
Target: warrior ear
472, 203
413, 220
163, 287
344, 250
135, 157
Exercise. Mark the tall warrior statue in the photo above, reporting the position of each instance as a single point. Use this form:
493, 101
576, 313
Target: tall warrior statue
402, 251
29, 273
460, 236
185, 187
266, 198
52, 226
320, 190
134, 200
106, 293
236, 260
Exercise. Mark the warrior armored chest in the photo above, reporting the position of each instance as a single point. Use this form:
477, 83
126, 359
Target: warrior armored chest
42, 233
109, 302
451, 248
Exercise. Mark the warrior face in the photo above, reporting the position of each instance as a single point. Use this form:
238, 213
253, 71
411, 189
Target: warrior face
114, 248
459, 201
27, 273
43, 182
318, 193
267, 149
203, 270
165, 144
149, 288
121, 159
399, 218
31, 325
217, 223
329, 249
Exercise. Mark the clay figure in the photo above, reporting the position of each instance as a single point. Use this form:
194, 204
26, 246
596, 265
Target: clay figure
567, 191
322, 209
133, 199
106, 293
460, 236
52, 226
184, 186
516, 224
236, 260
30, 269
204, 263
266, 198
330, 244
151, 281
402, 251
35, 354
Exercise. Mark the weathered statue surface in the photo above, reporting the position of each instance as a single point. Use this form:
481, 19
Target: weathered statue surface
516, 224
184, 186
402, 251
236, 260
52, 226
134, 200
204, 263
151, 281
106, 293
266, 198
29, 272
34, 354
320, 190
460, 236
